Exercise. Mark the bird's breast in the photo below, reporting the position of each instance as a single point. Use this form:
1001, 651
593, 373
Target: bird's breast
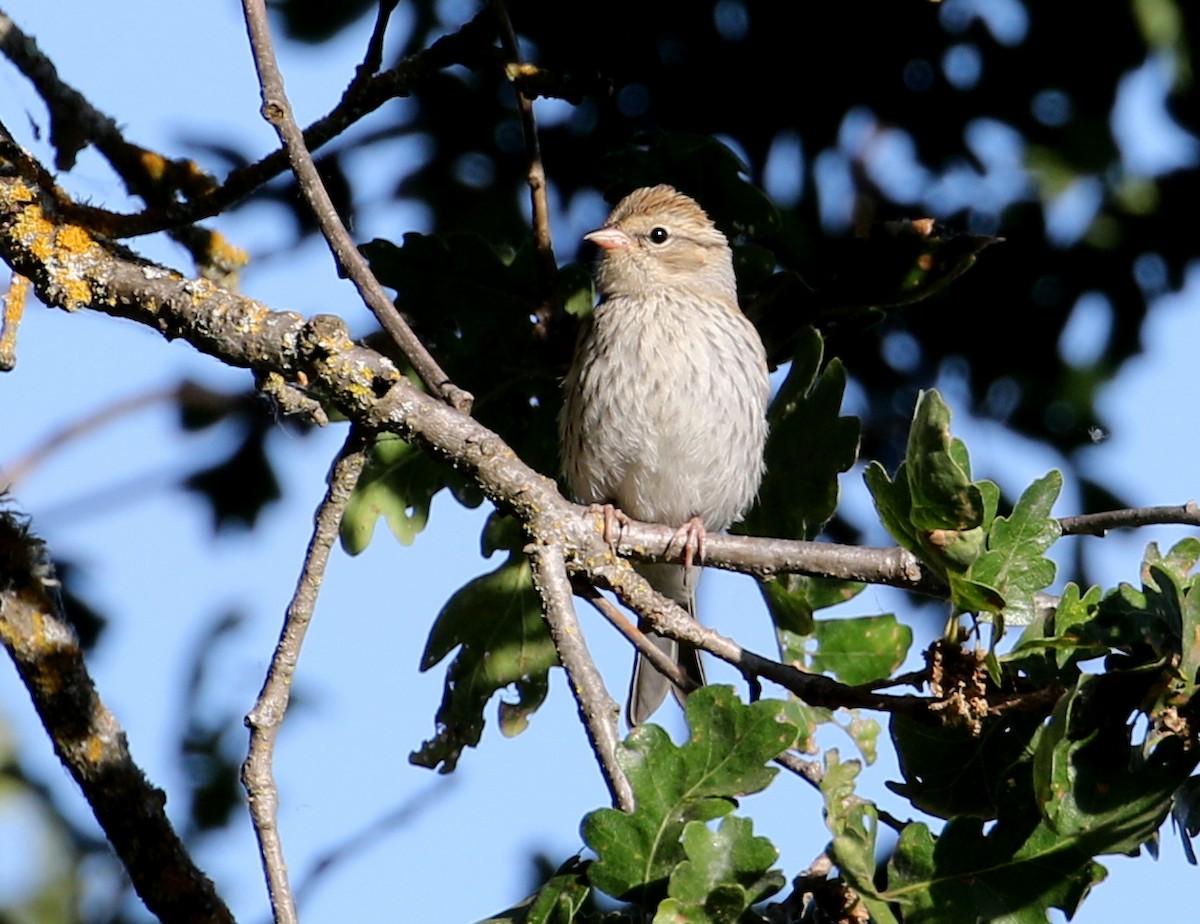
669, 398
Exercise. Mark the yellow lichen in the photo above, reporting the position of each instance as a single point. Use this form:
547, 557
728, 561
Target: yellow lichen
34, 231
155, 165
74, 239
93, 749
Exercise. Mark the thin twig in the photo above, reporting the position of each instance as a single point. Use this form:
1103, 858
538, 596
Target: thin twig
265, 719
278, 111
14, 310
1097, 524
21, 467
651, 652
808, 770
374, 54
597, 708
535, 174
88, 739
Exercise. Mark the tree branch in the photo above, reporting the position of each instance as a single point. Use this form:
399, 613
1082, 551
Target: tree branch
10, 320
277, 110
597, 709
265, 719
88, 739
669, 618
535, 175
81, 271
1097, 524
75, 122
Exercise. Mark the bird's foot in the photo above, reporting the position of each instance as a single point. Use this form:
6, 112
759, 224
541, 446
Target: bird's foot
614, 523
691, 537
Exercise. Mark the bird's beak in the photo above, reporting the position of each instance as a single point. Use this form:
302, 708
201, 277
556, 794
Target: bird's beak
609, 238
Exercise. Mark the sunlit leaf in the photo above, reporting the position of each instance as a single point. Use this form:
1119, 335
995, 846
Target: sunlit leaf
496, 624
724, 758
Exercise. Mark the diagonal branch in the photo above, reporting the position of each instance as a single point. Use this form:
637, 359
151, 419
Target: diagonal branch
88, 739
265, 719
277, 110
76, 122
597, 709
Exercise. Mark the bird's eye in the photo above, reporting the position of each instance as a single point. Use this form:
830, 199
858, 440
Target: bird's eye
659, 235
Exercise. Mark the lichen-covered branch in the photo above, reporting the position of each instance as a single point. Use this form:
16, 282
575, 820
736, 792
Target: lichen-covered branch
75, 122
88, 739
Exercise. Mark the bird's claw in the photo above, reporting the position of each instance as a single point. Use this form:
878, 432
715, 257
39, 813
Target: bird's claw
614, 524
692, 538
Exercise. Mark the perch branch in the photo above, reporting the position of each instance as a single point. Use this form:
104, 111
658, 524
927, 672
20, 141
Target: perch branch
597, 709
88, 739
277, 110
265, 719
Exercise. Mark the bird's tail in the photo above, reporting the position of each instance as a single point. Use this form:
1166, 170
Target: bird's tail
649, 688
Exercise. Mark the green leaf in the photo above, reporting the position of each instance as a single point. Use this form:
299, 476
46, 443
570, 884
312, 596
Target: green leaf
951, 770
496, 623
1151, 619
726, 871
893, 502
793, 599
1067, 634
809, 445
1014, 873
725, 757
933, 509
854, 824
863, 732
398, 483
859, 649
1095, 786
1087, 790
1015, 562
939, 473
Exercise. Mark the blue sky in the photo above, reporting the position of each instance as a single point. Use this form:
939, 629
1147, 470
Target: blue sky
153, 564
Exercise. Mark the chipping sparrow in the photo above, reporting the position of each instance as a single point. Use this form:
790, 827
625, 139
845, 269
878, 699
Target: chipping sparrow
665, 407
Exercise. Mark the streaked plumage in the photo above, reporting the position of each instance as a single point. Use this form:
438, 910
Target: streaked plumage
665, 407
